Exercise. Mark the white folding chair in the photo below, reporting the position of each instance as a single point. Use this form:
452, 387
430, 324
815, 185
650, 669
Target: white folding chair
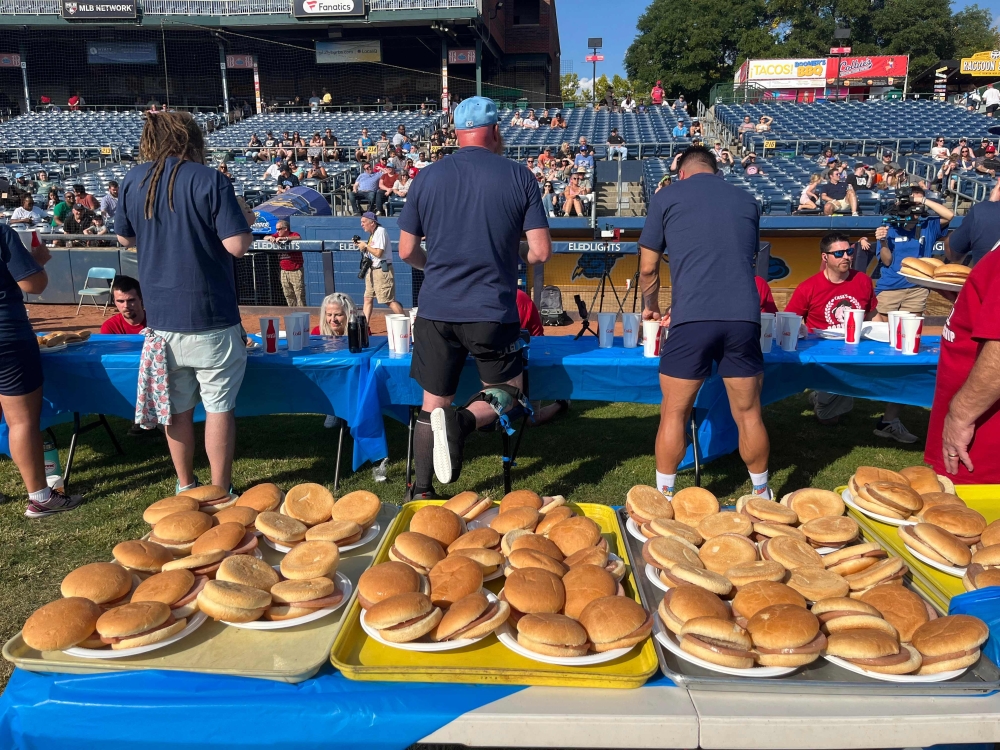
107, 274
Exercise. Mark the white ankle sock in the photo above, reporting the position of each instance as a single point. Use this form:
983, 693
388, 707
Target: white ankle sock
759, 480
40, 496
665, 482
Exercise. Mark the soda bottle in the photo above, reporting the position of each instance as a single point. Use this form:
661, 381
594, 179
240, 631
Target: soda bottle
363, 330
270, 338
353, 335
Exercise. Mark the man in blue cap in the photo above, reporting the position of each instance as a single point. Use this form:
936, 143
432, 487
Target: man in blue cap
471, 209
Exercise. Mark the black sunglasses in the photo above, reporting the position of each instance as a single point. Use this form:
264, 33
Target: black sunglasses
840, 253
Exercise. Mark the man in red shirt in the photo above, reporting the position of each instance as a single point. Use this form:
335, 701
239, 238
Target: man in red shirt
131, 317
656, 95
766, 298
823, 301
293, 282
963, 438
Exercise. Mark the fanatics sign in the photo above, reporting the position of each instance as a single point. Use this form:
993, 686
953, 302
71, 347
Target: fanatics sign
123, 9
313, 8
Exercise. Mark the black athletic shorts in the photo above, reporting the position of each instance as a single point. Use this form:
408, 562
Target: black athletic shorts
440, 349
20, 367
992, 108
691, 348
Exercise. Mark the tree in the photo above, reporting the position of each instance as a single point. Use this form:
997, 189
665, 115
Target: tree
621, 87
569, 86
973, 31
602, 86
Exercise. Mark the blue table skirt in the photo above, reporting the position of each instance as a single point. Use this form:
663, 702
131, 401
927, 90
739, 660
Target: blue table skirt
560, 367
100, 377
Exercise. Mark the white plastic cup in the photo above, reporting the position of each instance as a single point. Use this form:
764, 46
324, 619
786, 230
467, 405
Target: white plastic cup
896, 328
400, 333
852, 326
630, 330
767, 323
293, 332
789, 331
606, 329
913, 327
389, 330
652, 338
306, 325
270, 346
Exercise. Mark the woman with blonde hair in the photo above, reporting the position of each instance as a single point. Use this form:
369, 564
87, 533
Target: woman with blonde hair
334, 314
808, 199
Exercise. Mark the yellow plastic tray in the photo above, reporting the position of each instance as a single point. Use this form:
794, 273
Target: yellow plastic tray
940, 587
488, 661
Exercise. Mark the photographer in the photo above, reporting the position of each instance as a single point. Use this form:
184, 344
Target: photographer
912, 228
376, 266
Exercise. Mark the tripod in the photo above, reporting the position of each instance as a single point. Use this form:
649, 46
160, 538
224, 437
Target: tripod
581, 307
606, 281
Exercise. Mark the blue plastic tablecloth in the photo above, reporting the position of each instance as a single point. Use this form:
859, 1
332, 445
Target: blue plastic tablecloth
100, 377
561, 367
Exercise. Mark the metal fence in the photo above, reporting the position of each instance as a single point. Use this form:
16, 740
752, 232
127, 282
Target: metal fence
424, 4
227, 7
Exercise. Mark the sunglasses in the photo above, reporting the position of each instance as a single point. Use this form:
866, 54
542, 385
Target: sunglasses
849, 252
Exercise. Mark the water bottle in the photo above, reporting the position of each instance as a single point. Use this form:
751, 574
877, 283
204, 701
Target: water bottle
353, 335
380, 470
52, 467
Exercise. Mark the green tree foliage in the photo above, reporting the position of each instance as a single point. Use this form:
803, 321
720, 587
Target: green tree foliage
569, 85
602, 86
693, 44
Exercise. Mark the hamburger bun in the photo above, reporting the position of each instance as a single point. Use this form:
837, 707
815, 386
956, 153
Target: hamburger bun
520, 499
359, 506
949, 643
917, 267
726, 522
873, 651
811, 503
222, 538
762, 531
471, 617
831, 531
240, 514
552, 634
538, 543
666, 527
758, 570
785, 635
980, 578
584, 584
311, 560
753, 597
178, 531
935, 543
643, 504
438, 523
482, 538
693, 504
991, 534
141, 557
508, 539
341, 533
534, 591
867, 474
207, 563
954, 273
388, 579
61, 624
790, 552
900, 607
987, 557
816, 583
854, 559
664, 553
683, 603
404, 617
575, 534
838, 614
965, 523
178, 589
520, 518
454, 578
211, 498
307, 593
550, 503
233, 602
892, 499
489, 560
247, 570
615, 622
261, 498
280, 528
552, 517
105, 584
310, 503
138, 624
529, 558
889, 570
721, 553
168, 505
759, 510
718, 641
416, 550
468, 505
681, 574
923, 479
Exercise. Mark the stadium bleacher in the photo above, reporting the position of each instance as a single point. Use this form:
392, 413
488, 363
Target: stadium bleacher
854, 127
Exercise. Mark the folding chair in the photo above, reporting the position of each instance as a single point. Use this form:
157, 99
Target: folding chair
107, 274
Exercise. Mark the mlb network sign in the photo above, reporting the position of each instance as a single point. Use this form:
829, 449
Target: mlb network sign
123, 9
314, 8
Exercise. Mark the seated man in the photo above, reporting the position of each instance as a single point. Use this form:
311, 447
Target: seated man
616, 146
680, 130
746, 126
750, 165
838, 196
584, 159
78, 221
127, 298
366, 187
386, 182
28, 215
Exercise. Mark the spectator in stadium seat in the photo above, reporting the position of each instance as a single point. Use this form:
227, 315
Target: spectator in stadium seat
656, 94
628, 103
717, 150
316, 170
573, 196
531, 121
680, 130
98, 228
860, 179
273, 172
558, 121
939, 151
988, 164
331, 148
550, 199
79, 219
300, 170
28, 215
327, 98
609, 99
53, 199
399, 136
75, 102
981, 151
285, 151
82, 196
616, 146
726, 163
366, 187
585, 158
314, 102
517, 120
565, 152
254, 146
421, 161
963, 142
286, 175
886, 164
746, 126
763, 124
224, 168
387, 180
808, 199
750, 165
545, 159
127, 298
664, 181
696, 132
43, 183
825, 159
837, 195
402, 185
946, 177
991, 98
397, 161
270, 151
315, 145
301, 149
680, 104
642, 108
63, 209
532, 166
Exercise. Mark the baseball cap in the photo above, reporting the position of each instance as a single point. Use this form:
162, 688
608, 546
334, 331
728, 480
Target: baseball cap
991, 149
369, 215
475, 112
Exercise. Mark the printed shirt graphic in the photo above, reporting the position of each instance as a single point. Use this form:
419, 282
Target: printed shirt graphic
824, 304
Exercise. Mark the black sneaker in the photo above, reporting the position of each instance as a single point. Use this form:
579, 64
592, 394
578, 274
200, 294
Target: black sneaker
410, 495
448, 445
58, 502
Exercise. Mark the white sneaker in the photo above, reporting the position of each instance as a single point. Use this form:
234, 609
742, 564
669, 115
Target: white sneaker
897, 432
330, 422
57, 503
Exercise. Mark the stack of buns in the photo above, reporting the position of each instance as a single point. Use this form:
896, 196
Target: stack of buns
58, 338
984, 564
936, 269
900, 494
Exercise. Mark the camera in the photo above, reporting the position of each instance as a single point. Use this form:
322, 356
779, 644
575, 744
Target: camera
366, 262
905, 213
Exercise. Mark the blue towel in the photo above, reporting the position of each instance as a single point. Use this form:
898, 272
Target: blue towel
984, 604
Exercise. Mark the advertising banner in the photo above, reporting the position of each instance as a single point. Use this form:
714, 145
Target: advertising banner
313, 8
348, 52
876, 70
100, 11
9, 60
462, 56
982, 64
298, 201
121, 53
788, 74
239, 62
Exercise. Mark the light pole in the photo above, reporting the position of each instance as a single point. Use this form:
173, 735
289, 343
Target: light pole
595, 43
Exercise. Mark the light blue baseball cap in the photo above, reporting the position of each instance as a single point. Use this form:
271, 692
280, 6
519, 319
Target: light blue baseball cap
475, 112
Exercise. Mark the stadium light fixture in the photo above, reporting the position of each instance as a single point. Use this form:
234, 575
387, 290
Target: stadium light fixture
496, 9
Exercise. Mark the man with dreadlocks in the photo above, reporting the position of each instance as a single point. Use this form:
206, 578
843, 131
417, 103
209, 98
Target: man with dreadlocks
187, 225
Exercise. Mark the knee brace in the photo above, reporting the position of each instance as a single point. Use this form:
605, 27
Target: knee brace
507, 401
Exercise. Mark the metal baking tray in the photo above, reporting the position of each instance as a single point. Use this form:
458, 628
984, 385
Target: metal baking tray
289, 655
820, 677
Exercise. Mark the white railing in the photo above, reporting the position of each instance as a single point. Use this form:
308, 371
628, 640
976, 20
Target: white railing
215, 7
423, 4
29, 7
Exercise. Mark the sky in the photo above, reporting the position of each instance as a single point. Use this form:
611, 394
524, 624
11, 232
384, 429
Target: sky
615, 23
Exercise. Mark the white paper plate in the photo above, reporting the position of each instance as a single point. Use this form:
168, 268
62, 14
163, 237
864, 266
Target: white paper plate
875, 516
875, 331
425, 646
949, 569
669, 641
343, 584
194, 622
635, 531
943, 286
653, 575
498, 573
507, 635
370, 533
830, 333
483, 519
939, 677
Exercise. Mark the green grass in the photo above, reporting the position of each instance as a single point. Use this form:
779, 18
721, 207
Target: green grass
593, 454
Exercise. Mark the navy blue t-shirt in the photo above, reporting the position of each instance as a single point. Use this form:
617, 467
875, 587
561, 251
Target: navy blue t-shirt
710, 232
472, 208
187, 277
16, 264
836, 192
979, 232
